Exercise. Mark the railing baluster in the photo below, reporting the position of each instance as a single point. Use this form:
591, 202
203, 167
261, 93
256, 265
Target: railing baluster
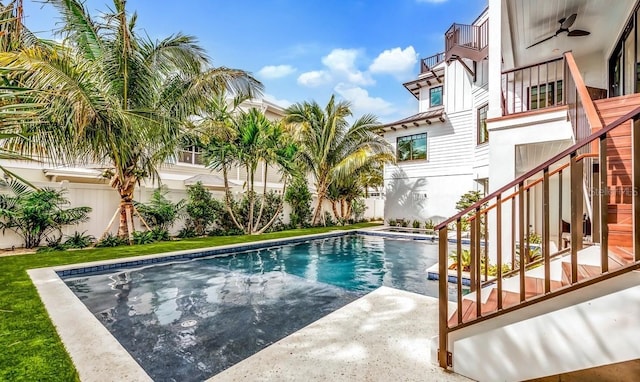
576, 214
486, 247
560, 220
478, 260
443, 305
472, 256
499, 248
459, 267
521, 239
546, 230
513, 233
603, 203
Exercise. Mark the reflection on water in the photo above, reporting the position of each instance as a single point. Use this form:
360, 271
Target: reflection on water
187, 321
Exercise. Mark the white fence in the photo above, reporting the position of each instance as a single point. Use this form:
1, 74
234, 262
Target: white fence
104, 201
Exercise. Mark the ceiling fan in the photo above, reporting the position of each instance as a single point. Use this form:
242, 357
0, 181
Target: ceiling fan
565, 24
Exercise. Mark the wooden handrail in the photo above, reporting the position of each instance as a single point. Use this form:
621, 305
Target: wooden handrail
573, 148
532, 65
583, 93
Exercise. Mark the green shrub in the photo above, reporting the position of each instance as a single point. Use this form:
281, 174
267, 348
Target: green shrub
143, 237
111, 241
299, 199
36, 214
429, 224
160, 212
160, 234
79, 240
200, 215
186, 232
393, 222
416, 224
358, 208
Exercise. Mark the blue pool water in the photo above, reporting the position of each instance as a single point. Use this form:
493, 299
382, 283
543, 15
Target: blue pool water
187, 321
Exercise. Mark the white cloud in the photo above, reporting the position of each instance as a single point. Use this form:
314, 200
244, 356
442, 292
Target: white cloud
342, 63
314, 78
398, 62
276, 71
362, 102
280, 102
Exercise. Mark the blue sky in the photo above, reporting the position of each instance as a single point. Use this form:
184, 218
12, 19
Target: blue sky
306, 50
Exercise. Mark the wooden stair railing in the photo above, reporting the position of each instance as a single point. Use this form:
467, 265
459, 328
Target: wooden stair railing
535, 202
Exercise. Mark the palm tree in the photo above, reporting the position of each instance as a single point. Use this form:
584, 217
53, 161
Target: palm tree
247, 139
330, 148
117, 98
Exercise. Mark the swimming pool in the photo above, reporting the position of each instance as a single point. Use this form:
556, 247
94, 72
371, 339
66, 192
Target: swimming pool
189, 320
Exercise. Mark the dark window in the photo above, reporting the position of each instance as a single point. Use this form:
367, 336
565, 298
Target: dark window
544, 95
435, 96
412, 147
191, 155
483, 133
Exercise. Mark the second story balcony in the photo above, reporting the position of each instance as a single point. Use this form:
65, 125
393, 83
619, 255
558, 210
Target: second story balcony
467, 41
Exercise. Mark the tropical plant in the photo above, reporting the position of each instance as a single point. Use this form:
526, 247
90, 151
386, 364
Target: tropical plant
249, 140
358, 208
114, 96
200, 215
160, 212
299, 199
36, 214
79, 240
330, 148
415, 224
467, 200
110, 240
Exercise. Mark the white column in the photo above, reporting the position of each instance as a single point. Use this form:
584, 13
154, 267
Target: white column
495, 58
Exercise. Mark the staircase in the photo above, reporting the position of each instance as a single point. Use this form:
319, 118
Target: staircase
619, 171
533, 286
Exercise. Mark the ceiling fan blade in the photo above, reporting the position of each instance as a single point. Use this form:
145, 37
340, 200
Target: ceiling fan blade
541, 41
578, 32
568, 22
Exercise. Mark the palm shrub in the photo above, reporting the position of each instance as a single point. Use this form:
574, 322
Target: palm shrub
37, 214
358, 208
160, 212
110, 240
299, 199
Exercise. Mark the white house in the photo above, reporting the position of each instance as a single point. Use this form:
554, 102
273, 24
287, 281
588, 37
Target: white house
441, 151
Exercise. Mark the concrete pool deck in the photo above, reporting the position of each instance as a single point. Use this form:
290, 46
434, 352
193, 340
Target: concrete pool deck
383, 336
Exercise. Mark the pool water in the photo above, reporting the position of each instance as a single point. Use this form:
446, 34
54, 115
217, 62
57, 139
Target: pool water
187, 321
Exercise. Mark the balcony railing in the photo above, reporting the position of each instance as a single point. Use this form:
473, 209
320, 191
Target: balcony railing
467, 41
533, 87
427, 64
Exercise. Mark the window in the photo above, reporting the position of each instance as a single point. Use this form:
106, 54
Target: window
545, 95
412, 147
483, 133
191, 155
435, 96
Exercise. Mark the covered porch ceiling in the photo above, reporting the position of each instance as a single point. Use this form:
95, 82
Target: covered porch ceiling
526, 22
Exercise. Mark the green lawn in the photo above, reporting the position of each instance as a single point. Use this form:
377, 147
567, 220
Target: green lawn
30, 347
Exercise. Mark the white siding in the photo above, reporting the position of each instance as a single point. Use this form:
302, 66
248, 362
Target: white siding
457, 89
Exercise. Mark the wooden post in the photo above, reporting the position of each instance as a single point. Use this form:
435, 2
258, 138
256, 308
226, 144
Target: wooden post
443, 313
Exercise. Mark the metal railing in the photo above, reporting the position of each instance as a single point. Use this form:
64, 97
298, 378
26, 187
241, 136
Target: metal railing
533, 87
475, 37
431, 62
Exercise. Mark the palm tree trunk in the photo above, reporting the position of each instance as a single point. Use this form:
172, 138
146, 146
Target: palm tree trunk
264, 194
251, 200
322, 194
126, 187
335, 209
227, 198
275, 216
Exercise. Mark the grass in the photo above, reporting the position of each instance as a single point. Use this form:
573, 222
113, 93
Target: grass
31, 348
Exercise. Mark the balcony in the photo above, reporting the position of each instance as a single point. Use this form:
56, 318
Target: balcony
428, 64
467, 41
